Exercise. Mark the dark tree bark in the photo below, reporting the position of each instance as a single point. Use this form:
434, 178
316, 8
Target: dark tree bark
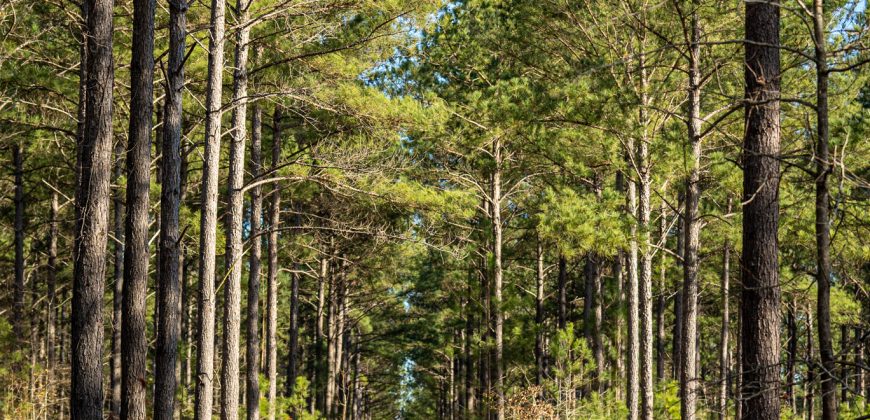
272, 287
208, 216
252, 374
134, 346
294, 333
759, 262
118, 286
18, 304
562, 304
171, 262
823, 234
93, 167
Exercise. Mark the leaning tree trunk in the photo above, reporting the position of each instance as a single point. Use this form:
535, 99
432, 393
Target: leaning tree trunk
692, 232
823, 234
93, 166
169, 289
759, 261
272, 288
252, 374
208, 215
134, 346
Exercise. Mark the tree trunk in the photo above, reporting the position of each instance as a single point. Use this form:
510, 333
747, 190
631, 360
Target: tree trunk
208, 217
724, 341
118, 286
294, 334
677, 343
660, 299
134, 346
272, 290
497, 277
51, 286
692, 231
859, 365
252, 374
169, 288
759, 262
235, 222
633, 354
791, 349
318, 379
93, 166
823, 235
645, 283
18, 305
809, 394
469, 360
539, 316
562, 310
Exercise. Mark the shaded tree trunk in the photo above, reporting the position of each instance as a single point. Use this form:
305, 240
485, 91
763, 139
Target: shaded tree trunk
208, 217
252, 374
118, 286
823, 235
759, 262
171, 263
18, 304
134, 346
539, 315
93, 167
